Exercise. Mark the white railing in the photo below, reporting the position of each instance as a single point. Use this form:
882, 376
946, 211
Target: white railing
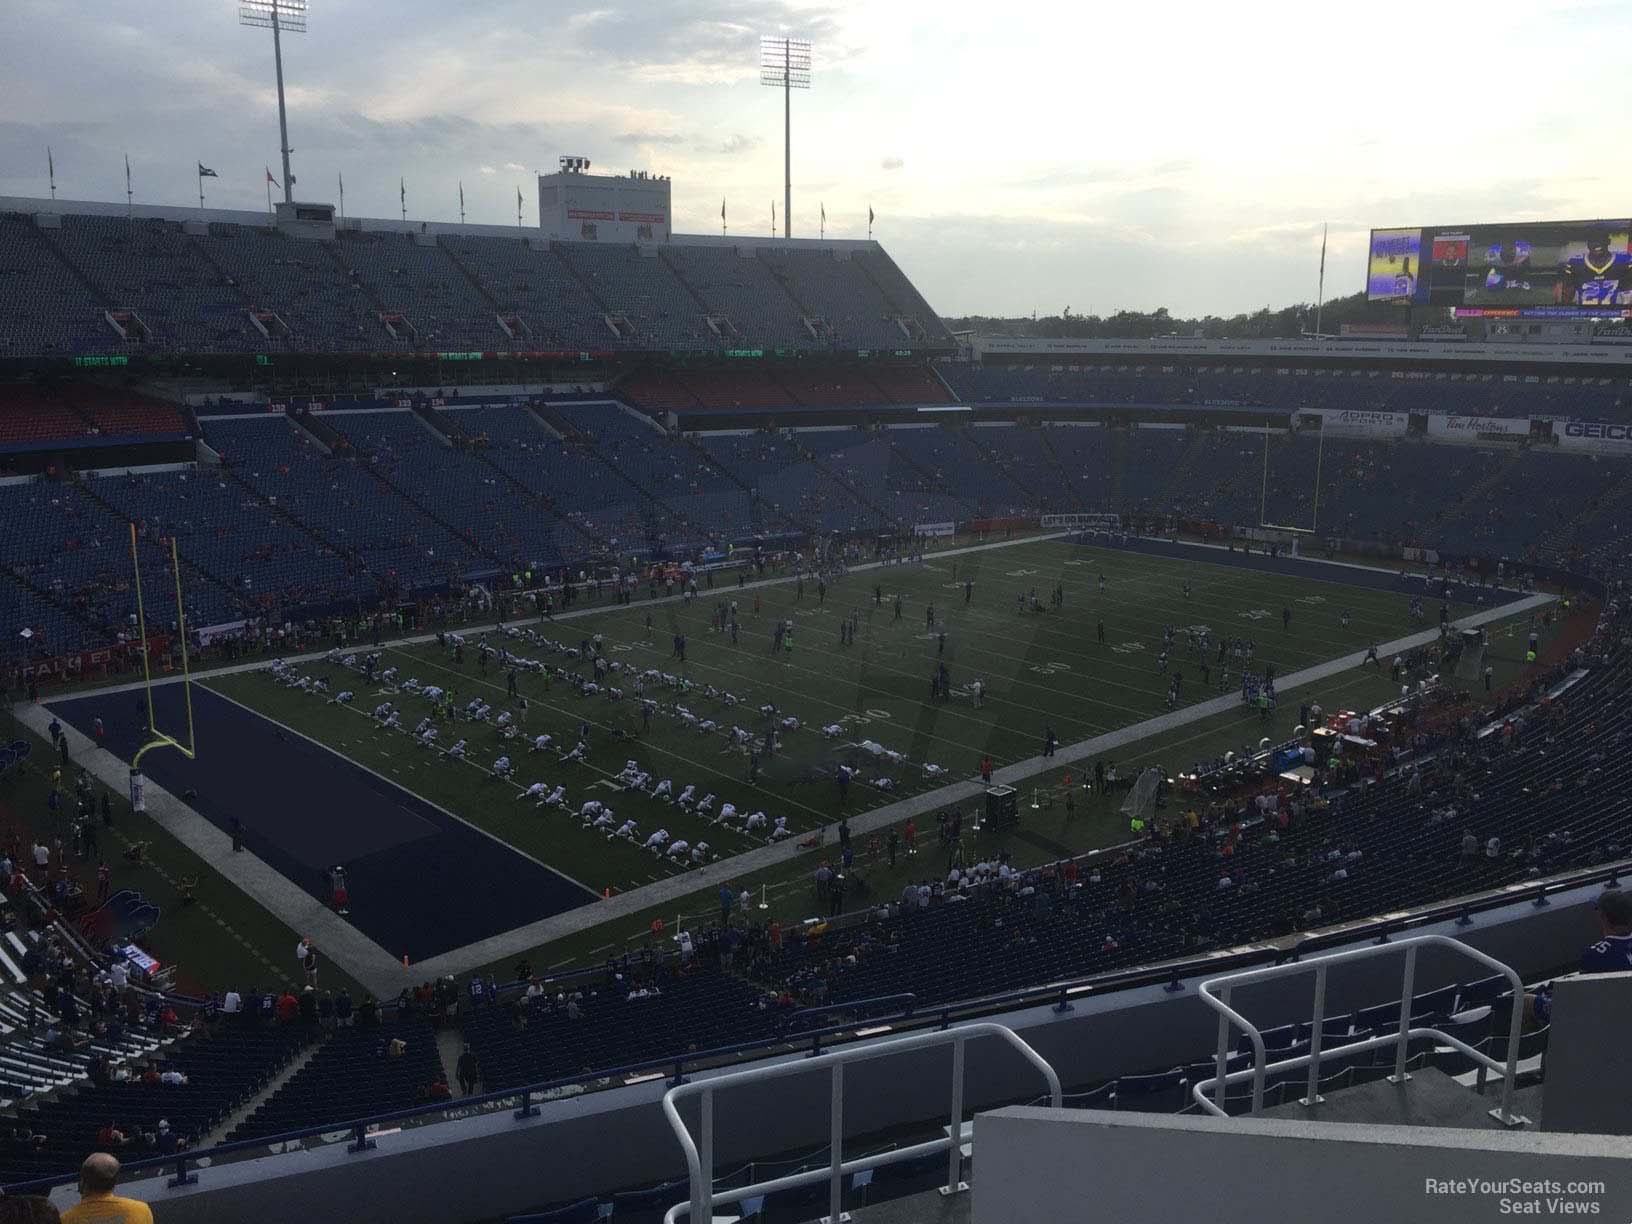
1215, 992
700, 1161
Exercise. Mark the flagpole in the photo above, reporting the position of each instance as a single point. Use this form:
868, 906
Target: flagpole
722, 216
461, 203
402, 195
269, 195
518, 207
130, 196
340, 175
200, 193
51, 170
822, 230
1320, 293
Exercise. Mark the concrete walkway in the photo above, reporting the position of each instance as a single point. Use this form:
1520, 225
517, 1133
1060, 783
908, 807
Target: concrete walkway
385, 976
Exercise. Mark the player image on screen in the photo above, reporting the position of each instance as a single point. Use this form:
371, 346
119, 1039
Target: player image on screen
1600, 275
1507, 267
1391, 273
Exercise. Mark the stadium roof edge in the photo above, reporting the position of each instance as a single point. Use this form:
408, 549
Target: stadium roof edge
1612, 357
392, 225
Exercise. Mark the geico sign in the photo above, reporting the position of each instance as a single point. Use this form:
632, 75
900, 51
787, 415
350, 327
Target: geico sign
1598, 431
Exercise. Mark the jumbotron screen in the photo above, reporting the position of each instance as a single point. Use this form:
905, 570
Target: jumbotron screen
1571, 269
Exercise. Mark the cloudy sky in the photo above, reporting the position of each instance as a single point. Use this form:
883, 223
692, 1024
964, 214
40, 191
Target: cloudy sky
1020, 157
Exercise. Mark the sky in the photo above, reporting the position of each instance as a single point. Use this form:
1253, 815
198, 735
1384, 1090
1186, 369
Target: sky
1022, 158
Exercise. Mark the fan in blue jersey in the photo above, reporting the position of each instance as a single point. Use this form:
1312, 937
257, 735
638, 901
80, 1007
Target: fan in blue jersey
1611, 954
1598, 277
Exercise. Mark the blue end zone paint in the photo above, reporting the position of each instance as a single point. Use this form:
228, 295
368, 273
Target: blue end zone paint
422, 882
1364, 577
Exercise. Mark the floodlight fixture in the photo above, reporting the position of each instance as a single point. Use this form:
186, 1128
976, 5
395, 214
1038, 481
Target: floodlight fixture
785, 63
278, 16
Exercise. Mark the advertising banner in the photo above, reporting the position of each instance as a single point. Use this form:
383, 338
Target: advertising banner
1600, 436
1360, 423
1494, 429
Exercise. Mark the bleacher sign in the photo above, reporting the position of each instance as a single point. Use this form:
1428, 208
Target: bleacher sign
1603, 437
1362, 423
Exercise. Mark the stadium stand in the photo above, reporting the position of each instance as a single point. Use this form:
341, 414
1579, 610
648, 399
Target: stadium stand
368, 501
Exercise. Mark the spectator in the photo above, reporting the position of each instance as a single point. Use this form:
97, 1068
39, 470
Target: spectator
469, 1071
1611, 954
28, 1210
98, 1204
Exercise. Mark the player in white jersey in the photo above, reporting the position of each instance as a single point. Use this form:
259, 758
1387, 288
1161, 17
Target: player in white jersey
542, 742
535, 792
502, 768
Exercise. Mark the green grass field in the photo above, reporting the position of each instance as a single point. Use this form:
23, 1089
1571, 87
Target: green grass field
1038, 669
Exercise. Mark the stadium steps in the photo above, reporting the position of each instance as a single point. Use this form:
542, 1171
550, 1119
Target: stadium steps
1199, 444
551, 423
786, 285
702, 305
441, 424
1052, 456
645, 499
1118, 467
989, 457
334, 546
355, 278
1476, 501
1559, 541
442, 522
839, 481
542, 501
189, 567
764, 508
68, 611
102, 296
584, 283
224, 1128
474, 280
931, 479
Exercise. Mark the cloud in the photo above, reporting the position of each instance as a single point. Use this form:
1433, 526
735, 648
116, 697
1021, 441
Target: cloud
892, 163
740, 144
515, 166
489, 170
650, 138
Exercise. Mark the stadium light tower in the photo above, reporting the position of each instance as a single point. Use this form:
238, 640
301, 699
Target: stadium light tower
278, 16
785, 63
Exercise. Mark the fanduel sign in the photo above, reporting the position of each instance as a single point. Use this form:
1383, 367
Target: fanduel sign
1598, 436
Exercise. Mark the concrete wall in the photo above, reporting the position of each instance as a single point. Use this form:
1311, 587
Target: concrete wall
618, 1139
1038, 1164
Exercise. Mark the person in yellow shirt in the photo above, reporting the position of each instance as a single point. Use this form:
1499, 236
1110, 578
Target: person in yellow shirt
98, 1204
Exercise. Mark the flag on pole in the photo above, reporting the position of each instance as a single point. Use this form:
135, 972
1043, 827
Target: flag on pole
51, 164
461, 195
824, 214
205, 172
127, 172
773, 218
722, 208
1323, 231
274, 182
869, 214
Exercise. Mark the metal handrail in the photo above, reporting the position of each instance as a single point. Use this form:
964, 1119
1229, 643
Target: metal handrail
1099, 984
904, 1004
700, 1163
1216, 992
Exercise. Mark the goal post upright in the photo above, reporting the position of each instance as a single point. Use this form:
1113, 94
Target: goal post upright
160, 739
1263, 496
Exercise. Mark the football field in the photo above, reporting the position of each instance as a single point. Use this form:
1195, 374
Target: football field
865, 705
